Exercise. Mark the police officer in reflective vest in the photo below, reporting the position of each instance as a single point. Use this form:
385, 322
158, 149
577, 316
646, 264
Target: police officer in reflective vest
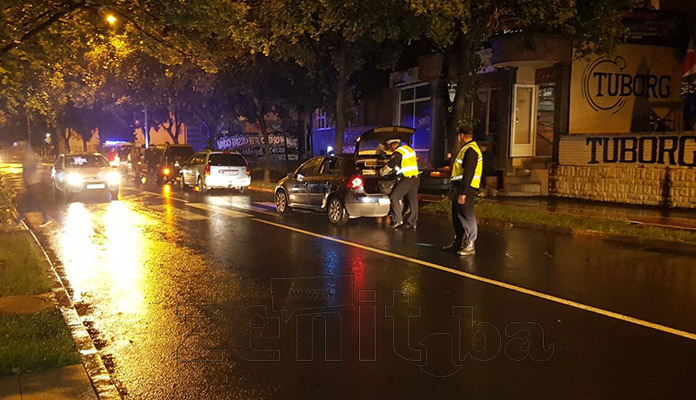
466, 180
408, 179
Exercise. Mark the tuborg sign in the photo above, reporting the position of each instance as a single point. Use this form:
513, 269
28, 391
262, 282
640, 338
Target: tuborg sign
659, 150
606, 84
619, 93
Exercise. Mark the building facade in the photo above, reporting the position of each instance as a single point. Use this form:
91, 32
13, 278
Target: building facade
604, 127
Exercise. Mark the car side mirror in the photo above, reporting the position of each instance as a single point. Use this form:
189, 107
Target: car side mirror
300, 177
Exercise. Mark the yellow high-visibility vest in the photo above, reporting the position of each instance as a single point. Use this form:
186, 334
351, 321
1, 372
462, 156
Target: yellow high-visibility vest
409, 162
458, 168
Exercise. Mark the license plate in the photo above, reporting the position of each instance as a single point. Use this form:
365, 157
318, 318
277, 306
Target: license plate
369, 172
95, 186
383, 202
229, 172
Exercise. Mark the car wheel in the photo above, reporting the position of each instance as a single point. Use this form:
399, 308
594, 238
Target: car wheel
201, 186
281, 200
336, 211
182, 184
242, 190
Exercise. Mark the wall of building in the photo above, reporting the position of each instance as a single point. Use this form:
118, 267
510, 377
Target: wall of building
673, 187
649, 169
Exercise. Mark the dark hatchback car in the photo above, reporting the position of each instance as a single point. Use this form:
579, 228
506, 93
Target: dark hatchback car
344, 186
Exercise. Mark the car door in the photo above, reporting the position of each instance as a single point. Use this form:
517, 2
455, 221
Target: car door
320, 185
188, 170
59, 173
298, 185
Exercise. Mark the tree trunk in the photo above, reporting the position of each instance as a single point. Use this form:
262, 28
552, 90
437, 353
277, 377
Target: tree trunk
341, 98
58, 141
66, 139
465, 80
261, 116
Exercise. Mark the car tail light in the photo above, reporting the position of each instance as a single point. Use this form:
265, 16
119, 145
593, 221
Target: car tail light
355, 182
248, 170
207, 169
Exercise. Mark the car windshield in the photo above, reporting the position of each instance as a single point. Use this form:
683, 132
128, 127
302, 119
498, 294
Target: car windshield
233, 160
85, 161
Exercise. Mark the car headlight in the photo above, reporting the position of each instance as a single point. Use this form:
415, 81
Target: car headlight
113, 178
74, 179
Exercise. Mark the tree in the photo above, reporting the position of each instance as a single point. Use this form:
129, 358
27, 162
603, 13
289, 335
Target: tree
258, 87
333, 39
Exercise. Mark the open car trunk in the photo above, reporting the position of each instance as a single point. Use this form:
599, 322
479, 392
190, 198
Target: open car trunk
371, 155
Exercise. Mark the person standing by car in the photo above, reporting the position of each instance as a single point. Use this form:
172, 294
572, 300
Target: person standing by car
31, 176
466, 180
405, 162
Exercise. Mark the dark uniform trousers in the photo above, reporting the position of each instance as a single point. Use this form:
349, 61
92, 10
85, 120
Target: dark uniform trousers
463, 217
405, 187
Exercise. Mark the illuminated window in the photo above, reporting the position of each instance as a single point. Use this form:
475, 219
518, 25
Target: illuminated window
415, 111
321, 121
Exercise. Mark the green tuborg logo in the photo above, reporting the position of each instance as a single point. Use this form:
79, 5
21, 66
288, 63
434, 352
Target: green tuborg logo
606, 87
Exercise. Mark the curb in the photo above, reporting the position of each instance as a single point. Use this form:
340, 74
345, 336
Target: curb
674, 247
103, 385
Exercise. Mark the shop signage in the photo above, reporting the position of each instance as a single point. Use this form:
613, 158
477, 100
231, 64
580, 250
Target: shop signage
281, 147
677, 150
620, 92
606, 83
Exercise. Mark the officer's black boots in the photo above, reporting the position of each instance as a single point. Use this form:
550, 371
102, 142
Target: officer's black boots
454, 246
467, 248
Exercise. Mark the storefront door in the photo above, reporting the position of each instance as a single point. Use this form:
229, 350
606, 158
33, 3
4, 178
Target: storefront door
523, 121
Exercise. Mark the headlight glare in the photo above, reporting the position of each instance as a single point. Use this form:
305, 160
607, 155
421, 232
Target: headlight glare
113, 178
74, 179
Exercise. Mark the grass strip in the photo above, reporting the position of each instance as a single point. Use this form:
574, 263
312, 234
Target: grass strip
486, 210
35, 342
22, 269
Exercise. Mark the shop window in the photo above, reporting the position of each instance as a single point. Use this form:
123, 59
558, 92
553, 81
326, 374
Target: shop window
415, 111
545, 114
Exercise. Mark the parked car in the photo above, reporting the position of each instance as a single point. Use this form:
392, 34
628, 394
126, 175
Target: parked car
167, 161
344, 186
209, 169
76, 173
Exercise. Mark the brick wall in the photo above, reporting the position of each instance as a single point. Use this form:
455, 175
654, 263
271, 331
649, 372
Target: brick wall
674, 187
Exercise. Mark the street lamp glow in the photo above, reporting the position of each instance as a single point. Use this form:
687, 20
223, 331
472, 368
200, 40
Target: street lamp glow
111, 19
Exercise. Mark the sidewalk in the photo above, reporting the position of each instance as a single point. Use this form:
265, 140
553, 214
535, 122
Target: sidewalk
67, 383
642, 215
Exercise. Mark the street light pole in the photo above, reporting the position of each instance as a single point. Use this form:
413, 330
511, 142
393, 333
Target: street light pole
146, 131
28, 130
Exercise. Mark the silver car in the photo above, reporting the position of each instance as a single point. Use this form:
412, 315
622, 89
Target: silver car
75, 173
209, 169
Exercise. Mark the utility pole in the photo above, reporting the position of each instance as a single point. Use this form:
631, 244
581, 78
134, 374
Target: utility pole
28, 130
146, 131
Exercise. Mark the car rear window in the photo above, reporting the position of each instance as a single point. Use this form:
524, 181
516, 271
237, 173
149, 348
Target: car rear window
232, 160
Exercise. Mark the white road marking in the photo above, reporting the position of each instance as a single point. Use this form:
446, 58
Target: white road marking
156, 194
221, 210
183, 214
555, 299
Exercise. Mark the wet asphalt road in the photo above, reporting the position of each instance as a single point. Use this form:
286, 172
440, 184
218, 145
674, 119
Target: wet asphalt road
191, 296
